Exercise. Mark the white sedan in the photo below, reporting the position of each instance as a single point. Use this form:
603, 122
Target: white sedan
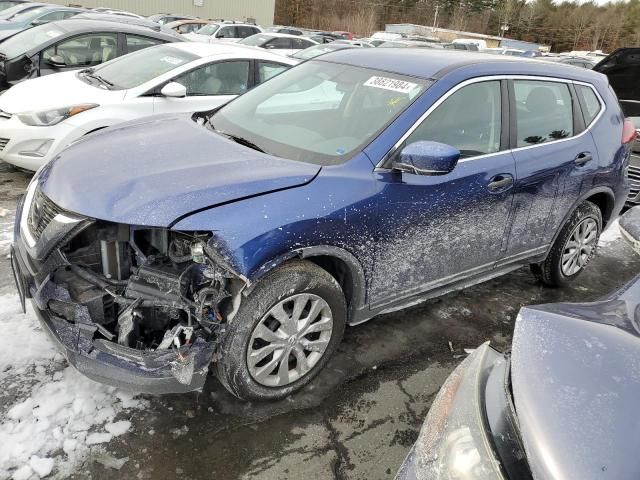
39, 117
280, 43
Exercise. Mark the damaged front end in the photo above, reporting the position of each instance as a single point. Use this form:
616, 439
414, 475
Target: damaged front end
135, 307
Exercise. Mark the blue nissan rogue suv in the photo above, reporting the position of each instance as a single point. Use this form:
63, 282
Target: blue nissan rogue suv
355, 184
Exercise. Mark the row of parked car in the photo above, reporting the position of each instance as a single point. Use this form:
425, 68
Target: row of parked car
216, 205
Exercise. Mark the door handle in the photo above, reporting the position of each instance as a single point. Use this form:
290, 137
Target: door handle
500, 182
583, 158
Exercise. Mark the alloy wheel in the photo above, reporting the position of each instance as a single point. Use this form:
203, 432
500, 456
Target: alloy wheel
580, 246
289, 340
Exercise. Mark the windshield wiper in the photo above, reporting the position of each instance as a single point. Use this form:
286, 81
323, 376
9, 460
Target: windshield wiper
90, 74
242, 141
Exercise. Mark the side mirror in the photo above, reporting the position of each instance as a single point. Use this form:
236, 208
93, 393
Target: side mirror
37, 22
426, 158
269, 46
174, 90
56, 61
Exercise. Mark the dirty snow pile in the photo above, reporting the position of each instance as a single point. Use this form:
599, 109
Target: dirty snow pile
611, 234
51, 417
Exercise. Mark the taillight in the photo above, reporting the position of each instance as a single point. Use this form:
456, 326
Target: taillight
629, 133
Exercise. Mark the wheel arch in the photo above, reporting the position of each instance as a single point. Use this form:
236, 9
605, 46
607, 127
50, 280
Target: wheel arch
342, 265
602, 197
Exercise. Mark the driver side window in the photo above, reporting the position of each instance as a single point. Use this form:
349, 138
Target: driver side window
85, 50
469, 120
223, 78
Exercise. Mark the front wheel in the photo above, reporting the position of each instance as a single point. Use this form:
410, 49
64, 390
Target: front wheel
283, 333
573, 249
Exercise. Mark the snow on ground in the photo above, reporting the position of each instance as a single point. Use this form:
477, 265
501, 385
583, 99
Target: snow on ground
611, 234
51, 417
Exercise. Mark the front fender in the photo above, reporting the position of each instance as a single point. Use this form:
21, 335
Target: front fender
334, 215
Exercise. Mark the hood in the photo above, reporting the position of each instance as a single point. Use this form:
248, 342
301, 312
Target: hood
35, 94
154, 171
9, 29
576, 384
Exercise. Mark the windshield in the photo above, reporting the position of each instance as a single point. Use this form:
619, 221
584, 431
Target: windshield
256, 40
24, 41
316, 50
29, 15
139, 67
208, 29
318, 112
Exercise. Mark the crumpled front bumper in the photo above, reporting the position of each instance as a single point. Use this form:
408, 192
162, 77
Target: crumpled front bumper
123, 367
149, 371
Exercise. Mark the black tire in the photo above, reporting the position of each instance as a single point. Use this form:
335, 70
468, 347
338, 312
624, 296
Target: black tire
550, 271
295, 277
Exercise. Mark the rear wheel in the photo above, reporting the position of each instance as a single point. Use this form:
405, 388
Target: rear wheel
573, 249
283, 333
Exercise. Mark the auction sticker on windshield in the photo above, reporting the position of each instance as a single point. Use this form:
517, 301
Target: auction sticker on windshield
392, 84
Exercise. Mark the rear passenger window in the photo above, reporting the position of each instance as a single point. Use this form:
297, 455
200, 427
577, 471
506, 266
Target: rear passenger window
469, 120
267, 70
279, 43
544, 111
135, 43
590, 103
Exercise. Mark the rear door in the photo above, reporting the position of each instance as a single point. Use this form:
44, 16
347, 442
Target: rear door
555, 160
208, 86
434, 230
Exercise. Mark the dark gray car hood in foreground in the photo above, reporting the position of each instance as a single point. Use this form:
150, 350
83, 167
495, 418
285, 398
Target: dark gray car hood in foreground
576, 383
157, 170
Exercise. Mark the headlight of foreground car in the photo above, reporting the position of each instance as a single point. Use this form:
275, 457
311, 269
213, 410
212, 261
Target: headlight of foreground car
47, 118
453, 443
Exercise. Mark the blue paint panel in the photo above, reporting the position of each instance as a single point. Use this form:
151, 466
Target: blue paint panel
153, 171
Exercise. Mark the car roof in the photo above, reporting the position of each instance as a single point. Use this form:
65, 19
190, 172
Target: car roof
432, 64
226, 48
79, 25
278, 35
61, 7
185, 21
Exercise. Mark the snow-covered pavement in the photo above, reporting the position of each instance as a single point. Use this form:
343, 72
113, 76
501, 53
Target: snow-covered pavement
51, 417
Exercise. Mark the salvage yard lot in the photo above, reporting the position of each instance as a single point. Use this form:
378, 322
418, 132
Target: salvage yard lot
356, 420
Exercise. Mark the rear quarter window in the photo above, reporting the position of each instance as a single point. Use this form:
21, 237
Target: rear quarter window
590, 103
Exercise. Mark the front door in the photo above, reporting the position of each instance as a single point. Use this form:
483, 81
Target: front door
82, 51
435, 230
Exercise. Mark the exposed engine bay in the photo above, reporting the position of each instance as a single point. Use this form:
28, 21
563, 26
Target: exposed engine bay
146, 288
152, 301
